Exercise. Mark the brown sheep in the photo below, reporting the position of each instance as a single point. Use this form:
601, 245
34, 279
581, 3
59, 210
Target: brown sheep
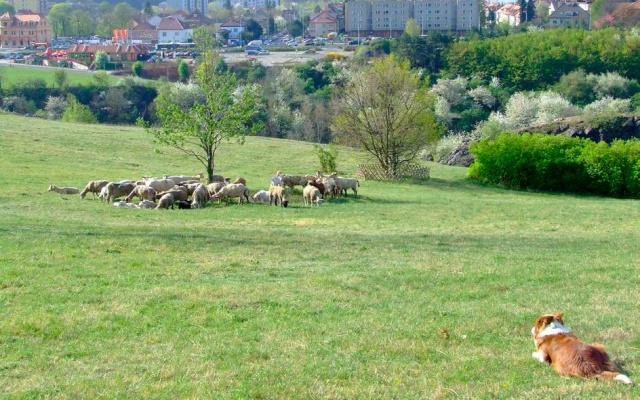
277, 194
143, 192
93, 187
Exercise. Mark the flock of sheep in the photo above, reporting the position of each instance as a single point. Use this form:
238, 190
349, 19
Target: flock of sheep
186, 191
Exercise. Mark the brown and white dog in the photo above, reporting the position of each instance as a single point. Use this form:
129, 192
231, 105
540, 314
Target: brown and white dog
556, 345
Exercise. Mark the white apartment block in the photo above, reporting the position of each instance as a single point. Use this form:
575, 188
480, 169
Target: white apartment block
388, 18
250, 3
189, 5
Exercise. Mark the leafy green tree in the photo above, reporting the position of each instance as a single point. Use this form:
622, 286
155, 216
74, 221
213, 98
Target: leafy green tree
183, 70
123, 15
5, 7
61, 78
531, 10
147, 10
386, 110
100, 60
81, 23
412, 27
253, 30
137, 68
58, 19
295, 28
227, 112
77, 112
424, 51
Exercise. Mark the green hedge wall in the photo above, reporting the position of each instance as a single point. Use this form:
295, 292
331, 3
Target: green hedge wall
559, 163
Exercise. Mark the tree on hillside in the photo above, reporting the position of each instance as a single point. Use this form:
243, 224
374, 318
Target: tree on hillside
58, 19
219, 110
6, 7
123, 15
81, 23
385, 110
252, 31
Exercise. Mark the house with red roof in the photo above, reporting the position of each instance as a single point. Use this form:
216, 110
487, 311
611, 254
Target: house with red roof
329, 19
86, 53
172, 30
23, 29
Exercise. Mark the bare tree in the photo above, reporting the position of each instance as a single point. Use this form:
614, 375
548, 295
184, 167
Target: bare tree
386, 110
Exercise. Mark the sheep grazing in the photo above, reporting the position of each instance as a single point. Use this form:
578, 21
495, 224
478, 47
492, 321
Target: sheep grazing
277, 194
292, 180
310, 195
200, 196
184, 205
241, 180
147, 204
342, 184
63, 190
276, 181
125, 204
93, 187
214, 188
143, 192
160, 185
166, 201
117, 189
231, 191
182, 178
178, 194
261, 197
319, 185
216, 178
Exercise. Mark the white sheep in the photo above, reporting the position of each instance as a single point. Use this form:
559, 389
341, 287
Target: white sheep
276, 180
147, 204
160, 185
122, 203
166, 201
63, 190
292, 180
231, 191
261, 196
181, 178
117, 189
143, 192
310, 195
342, 184
200, 196
93, 187
214, 188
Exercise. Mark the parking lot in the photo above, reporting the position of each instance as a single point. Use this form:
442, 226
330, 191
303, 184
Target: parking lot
296, 55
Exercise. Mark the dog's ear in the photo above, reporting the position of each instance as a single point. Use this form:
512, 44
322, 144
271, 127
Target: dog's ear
558, 316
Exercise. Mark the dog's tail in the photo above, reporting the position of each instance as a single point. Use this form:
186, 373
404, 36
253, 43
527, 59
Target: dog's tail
614, 376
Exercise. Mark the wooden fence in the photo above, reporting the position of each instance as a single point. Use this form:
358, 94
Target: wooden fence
376, 173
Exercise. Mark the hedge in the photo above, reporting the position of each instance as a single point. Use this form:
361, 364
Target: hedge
559, 163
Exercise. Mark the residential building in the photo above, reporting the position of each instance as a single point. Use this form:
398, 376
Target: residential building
24, 29
35, 6
329, 19
143, 32
171, 29
569, 14
188, 5
251, 3
509, 13
235, 29
387, 18
86, 53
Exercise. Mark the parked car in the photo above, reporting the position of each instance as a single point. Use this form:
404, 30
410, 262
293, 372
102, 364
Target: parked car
263, 52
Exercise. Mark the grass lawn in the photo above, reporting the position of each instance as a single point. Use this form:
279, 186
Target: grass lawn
15, 74
346, 301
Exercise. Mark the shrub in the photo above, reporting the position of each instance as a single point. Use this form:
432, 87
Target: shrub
327, 157
333, 56
559, 163
137, 68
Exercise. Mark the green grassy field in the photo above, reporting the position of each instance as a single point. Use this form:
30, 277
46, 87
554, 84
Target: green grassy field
15, 74
345, 301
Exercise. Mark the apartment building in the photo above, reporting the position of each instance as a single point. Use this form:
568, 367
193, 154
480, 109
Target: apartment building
388, 18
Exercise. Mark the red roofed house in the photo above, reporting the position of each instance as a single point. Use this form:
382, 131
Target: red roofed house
23, 29
234, 28
329, 19
144, 32
86, 53
509, 13
172, 30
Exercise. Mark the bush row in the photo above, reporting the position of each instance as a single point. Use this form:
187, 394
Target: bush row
559, 163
